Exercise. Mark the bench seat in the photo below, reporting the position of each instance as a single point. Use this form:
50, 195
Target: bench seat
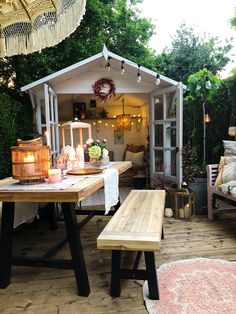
136, 226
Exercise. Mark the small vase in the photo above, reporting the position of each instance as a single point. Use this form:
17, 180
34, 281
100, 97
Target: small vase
96, 162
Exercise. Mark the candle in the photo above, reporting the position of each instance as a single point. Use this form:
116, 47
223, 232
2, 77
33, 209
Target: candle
80, 155
54, 175
47, 137
181, 213
29, 164
186, 211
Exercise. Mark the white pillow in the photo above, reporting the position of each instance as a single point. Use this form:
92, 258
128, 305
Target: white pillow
230, 148
136, 158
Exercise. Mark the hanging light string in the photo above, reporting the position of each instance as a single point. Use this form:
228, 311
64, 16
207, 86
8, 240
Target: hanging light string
139, 78
158, 80
122, 69
108, 65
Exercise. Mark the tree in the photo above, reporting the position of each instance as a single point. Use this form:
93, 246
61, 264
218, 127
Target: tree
233, 20
190, 52
201, 86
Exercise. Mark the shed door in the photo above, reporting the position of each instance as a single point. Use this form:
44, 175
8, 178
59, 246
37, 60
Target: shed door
51, 117
166, 132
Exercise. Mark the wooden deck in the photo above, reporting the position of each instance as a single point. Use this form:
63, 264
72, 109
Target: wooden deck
35, 290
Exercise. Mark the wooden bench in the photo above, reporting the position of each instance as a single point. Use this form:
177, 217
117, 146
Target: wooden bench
213, 191
136, 226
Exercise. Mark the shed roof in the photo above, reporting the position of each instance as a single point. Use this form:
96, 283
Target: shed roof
77, 77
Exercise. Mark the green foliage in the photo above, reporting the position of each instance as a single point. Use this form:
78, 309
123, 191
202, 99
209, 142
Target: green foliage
233, 20
190, 168
197, 85
9, 109
190, 52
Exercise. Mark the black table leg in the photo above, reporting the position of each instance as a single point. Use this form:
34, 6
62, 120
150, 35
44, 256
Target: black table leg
6, 241
76, 249
52, 216
115, 273
151, 275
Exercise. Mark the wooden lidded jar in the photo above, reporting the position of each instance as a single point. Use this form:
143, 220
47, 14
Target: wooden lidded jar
30, 161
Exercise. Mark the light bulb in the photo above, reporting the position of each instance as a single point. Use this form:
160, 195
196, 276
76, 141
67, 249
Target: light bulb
208, 83
158, 81
108, 66
122, 69
139, 78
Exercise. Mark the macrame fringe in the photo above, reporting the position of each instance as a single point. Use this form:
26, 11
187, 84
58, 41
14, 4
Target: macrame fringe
46, 36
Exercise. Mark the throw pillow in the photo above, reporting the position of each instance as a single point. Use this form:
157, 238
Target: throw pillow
230, 148
136, 158
224, 160
229, 172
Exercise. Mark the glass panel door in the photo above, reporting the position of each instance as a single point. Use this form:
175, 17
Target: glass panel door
166, 134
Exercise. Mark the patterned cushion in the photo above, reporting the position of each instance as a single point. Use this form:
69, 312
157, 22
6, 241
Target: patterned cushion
230, 148
224, 160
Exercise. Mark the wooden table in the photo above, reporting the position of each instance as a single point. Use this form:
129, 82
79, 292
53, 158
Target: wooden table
67, 198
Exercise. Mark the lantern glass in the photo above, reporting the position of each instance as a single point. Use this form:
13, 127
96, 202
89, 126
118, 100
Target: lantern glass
184, 205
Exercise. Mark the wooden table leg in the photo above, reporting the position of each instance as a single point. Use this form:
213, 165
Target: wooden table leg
76, 249
151, 275
6, 241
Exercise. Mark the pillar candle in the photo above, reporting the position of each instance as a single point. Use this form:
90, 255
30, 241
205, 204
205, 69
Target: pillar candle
80, 155
54, 175
29, 164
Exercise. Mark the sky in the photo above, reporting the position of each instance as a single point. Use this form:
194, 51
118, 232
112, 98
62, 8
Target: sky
205, 16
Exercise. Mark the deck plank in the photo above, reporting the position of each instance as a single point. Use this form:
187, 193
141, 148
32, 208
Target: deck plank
54, 291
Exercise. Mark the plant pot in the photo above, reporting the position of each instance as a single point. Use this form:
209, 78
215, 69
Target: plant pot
199, 188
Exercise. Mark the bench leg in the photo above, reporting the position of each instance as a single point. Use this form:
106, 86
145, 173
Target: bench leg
6, 241
151, 275
115, 273
210, 205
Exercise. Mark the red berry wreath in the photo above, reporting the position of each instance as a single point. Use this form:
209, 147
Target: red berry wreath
102, 83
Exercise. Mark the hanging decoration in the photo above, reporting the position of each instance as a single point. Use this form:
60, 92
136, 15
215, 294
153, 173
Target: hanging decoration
32, 25
104, 89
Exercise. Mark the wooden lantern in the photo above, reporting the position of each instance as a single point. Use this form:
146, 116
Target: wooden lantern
30, 161
184, 204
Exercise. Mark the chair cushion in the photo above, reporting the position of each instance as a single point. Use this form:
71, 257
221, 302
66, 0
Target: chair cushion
222, 171
230, 148
136, 158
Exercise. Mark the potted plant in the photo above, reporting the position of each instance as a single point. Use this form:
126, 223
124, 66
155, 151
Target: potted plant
195, 177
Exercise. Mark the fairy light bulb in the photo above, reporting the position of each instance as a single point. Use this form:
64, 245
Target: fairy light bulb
158, 80
122, 69
208, 83
108, 65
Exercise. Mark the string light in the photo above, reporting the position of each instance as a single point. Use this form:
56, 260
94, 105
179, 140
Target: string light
139, 78
108, 65
122, 69
208, 83
158, 80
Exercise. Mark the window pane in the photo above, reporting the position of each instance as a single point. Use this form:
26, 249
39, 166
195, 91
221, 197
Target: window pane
171, 105
159, 135
170, 134
170, 163
158, 108
159, 165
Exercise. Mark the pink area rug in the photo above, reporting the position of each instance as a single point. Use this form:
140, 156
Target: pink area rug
195, 286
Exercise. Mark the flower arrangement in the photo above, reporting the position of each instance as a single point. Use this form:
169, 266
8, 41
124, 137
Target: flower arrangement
95, 148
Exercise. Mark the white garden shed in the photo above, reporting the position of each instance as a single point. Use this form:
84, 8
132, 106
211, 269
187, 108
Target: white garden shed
154, 102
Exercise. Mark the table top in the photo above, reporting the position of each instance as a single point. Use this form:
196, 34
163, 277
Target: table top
75, 193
